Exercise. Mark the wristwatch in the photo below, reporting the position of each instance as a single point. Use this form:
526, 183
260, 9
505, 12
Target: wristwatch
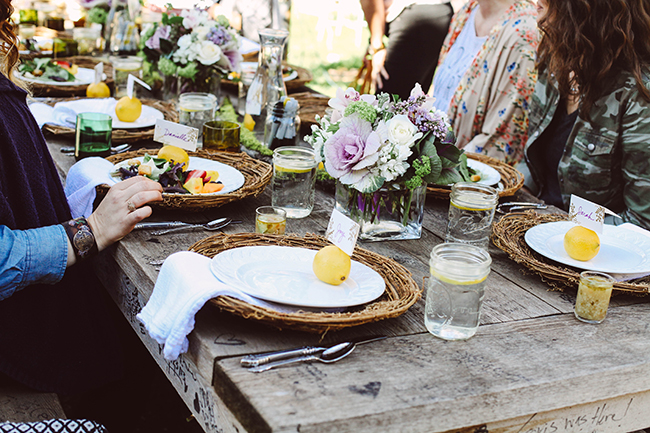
81, 237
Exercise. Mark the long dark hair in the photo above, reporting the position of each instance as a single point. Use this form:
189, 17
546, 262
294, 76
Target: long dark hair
9, 54
586, 44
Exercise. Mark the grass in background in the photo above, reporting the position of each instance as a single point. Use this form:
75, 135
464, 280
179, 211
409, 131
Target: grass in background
332, 58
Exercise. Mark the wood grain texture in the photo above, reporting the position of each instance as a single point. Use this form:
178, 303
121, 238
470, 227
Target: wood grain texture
18, 404
420, 383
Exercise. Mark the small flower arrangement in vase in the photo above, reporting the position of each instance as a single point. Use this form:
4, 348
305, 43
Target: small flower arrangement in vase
383, 151
190, 52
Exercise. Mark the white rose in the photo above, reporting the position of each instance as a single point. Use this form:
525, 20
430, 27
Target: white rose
208, 53
401, 131
201, 32
184, 42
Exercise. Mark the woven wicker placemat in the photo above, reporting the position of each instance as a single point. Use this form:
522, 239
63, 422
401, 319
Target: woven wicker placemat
401, 290
304, 77
119, 136
311, 104
511, 178
257, 174
40, 89
508, 234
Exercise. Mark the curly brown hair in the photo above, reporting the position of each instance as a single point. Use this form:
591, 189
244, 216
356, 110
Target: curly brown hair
9, 55
587, 44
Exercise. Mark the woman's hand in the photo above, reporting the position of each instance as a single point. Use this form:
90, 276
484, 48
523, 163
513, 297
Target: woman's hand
379, 73
122, 208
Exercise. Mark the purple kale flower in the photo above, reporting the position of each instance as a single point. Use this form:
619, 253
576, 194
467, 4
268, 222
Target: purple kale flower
162, 32
352, 150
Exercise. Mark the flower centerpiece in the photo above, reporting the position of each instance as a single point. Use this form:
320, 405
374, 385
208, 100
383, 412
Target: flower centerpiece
190, 52
383, 151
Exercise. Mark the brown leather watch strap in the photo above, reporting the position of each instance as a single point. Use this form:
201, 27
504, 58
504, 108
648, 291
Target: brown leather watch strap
81, 237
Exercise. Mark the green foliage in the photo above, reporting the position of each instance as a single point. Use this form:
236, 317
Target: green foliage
189, 71
97, 15
248, 140
166, 66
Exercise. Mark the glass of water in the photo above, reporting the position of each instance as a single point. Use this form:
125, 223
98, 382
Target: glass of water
294, 180
123, 66
196, 108
455, 290
471, 211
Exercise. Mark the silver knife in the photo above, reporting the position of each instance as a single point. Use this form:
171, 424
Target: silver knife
160, 225
265, 358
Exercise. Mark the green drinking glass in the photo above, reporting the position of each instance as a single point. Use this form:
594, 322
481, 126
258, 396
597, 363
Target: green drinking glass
93, 135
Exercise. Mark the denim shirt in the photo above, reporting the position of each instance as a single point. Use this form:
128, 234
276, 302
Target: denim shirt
31, 256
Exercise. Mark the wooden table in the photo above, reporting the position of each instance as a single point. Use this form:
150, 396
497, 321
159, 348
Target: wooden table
531, 367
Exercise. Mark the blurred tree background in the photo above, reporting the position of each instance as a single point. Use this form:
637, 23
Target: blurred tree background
328, 37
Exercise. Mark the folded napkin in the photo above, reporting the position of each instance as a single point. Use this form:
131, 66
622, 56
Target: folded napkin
81, 181
65, 113
184, 285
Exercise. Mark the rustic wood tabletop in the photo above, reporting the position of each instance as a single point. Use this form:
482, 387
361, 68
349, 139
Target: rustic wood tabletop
531, 367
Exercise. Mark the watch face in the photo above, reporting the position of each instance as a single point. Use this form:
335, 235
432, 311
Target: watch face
83, 240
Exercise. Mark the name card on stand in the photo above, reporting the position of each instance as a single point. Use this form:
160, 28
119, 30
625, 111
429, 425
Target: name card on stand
171, 133
342, 232
587, 214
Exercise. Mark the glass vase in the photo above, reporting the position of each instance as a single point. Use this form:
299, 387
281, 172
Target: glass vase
393, 212
268, 85
174, 85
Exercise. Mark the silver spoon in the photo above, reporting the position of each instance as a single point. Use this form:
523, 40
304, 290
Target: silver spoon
333, 354
212, 225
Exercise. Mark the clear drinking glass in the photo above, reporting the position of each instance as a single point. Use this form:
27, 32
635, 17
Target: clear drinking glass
123, 66
471, 211
93, 135
221, 135
270, 220
455, 290
196, 108
594, 292
294, 180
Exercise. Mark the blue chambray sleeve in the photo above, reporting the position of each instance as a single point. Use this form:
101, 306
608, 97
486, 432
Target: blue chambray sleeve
31, 256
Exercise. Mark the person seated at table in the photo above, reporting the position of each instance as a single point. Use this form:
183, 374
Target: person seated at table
54, 332
486, 74
589, 123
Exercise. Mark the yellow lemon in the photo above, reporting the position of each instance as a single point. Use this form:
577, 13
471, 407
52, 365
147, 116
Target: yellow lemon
174, 155
98, 90
331, 265
249, 123
581, 243
128, 109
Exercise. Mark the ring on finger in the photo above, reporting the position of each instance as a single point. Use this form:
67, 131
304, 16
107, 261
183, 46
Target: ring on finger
130, 206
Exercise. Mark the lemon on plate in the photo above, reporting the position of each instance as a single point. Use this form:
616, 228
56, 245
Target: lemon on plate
128, 109
581, 243
174, 155
249, 123
98, 90
332, 265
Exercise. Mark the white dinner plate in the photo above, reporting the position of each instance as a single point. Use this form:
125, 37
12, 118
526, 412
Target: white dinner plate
621, 251
489, 176
285, 275
84, 76
147, 118
231, 178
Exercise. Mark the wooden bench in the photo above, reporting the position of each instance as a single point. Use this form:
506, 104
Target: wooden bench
21, 404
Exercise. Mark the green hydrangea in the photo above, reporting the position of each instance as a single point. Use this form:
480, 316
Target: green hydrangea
363, 109
166, 66
97, 15
189, 71
422, 167
223, 21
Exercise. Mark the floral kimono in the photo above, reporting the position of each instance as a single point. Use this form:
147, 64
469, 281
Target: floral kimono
489, 110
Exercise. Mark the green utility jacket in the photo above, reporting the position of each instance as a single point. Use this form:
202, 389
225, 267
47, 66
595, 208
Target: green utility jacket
606, 161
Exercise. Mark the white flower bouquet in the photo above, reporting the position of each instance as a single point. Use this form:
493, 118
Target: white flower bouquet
384, 151
191, 46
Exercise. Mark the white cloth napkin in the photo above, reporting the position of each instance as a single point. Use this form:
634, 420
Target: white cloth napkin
65, 113
81, 181
184, 285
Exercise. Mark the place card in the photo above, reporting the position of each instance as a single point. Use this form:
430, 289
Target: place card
587, 214
99, 72
182, 136
342, 232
